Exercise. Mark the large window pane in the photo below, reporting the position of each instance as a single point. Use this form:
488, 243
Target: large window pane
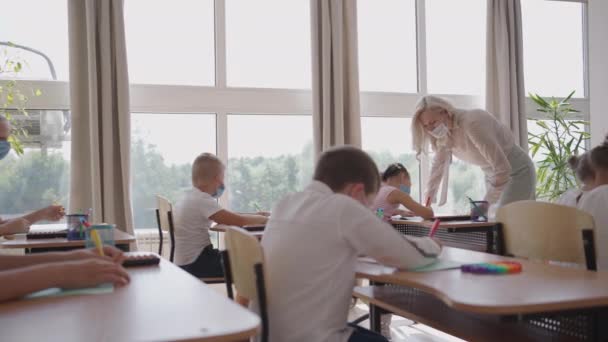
163, 147
388, 140
41, 26
465, 180
268, 43
40, 176
553, 47
387, 45
170, 42
456, 44
268, 157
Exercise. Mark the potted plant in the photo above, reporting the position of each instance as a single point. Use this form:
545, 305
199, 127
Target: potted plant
560, 137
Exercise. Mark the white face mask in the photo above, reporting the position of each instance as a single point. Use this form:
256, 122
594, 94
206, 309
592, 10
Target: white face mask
440, 131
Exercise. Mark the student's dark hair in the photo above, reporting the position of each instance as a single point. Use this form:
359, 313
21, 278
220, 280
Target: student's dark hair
393, 170
599, 155
341, 165
581, 166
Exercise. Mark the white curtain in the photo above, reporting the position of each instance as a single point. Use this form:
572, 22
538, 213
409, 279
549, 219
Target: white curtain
505, 94
335, 87
99, 98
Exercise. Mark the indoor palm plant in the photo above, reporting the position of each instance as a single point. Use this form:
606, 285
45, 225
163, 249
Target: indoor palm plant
560, 137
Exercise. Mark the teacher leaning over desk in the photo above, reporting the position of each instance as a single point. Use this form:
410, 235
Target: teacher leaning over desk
476, 137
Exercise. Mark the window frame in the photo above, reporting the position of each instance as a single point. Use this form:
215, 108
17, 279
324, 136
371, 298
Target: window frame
224, 100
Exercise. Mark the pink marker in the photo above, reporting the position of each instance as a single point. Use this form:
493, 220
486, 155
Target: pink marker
434, 227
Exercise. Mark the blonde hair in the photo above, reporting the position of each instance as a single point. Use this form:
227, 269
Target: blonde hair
420, 137
205, 168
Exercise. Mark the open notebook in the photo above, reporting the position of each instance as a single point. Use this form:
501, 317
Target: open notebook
438, 265
57, 292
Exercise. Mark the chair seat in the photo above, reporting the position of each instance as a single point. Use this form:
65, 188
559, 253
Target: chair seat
212, 280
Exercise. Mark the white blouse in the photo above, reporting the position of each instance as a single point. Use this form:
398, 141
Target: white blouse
480, 139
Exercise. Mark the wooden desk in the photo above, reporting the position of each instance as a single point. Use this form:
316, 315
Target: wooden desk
161, 303
121, 240
477, 236
220, 228
539, 290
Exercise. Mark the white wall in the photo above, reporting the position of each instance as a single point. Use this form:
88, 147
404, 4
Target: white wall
598, 69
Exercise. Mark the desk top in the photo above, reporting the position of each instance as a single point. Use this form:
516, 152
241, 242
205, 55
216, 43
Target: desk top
20, 241
539, 288
445, 224
162, 303
222, 229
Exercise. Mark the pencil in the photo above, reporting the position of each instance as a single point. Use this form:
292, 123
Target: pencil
434, 227
97, 241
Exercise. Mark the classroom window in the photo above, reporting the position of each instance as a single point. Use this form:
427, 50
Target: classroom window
268, 44
169, 43
43, 30
553, 51
456, 43
163, 147
465, 180
269, 156
388, 140
387, 45
40, 176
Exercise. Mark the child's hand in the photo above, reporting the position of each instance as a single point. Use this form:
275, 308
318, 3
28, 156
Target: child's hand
16, 226
111, 254
90, 272
263, 213
53, 212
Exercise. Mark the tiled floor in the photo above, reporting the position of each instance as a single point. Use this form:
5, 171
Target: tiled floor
402, 329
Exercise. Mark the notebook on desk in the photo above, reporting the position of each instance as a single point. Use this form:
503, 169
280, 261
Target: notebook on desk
47, 234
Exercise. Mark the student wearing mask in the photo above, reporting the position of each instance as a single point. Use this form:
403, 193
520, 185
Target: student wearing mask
395, 191
197, 211
595, 201
585, 176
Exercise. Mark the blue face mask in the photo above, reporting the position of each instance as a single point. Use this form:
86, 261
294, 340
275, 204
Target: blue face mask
5, 148
405, 188
218, 193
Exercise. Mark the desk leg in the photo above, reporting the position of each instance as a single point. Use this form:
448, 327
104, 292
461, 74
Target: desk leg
375, 313
499, 240
601, 325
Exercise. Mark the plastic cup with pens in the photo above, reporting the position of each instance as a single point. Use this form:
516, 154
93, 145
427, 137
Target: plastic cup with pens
76, 225
98, 235
479, 210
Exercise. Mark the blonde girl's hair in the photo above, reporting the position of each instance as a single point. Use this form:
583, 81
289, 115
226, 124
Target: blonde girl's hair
420, 138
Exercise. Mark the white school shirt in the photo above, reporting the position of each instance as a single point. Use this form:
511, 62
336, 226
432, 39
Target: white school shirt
192, 223
311, 244
480, 139
569, 198
595, 203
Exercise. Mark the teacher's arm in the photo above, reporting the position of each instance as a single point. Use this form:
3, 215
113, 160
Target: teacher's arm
498, 173
442, 157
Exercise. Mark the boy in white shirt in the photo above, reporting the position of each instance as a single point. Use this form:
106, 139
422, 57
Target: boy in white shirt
311, 245
196, 212
595, 202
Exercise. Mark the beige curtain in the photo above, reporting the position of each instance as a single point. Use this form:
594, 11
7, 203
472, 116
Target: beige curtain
335, 87
99, 98
505, 97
